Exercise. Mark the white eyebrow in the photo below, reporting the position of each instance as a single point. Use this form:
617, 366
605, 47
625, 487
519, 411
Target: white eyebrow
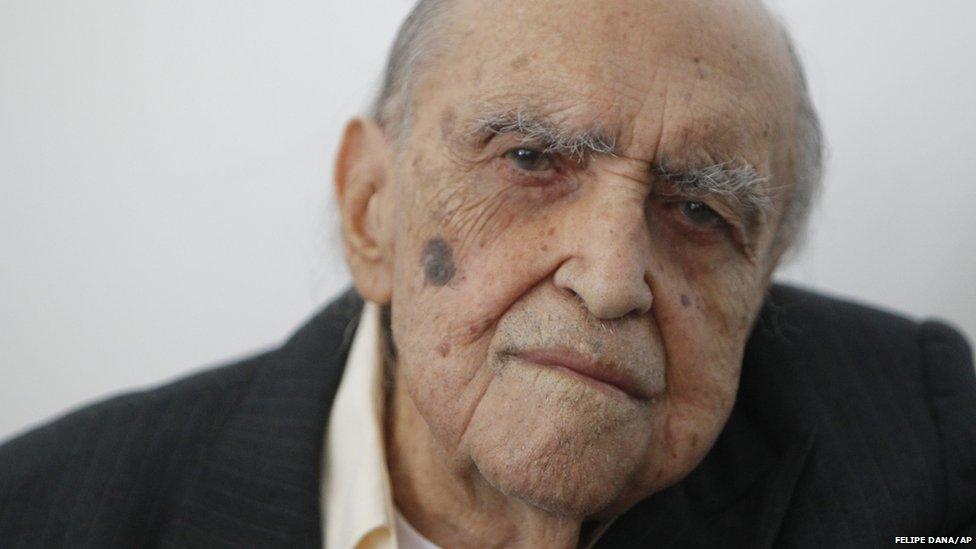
737, 181
540, 129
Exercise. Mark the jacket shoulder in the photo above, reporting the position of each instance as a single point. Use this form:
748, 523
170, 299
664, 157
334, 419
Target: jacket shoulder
893, 400
189, 461
802, 308
818, 326
115, 464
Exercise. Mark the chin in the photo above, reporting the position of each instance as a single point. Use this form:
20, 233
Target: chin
558, 476
559, 447
563, 490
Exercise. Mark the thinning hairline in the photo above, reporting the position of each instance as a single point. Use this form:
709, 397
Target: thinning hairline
734, 178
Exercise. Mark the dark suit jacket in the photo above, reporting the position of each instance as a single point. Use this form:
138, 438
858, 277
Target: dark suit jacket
852, 426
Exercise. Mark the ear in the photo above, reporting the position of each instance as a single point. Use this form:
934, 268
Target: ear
365, 205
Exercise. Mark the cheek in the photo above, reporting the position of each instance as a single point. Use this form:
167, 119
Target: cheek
469, 249
460, 263
704, 303
704, 313
704, 295
443, 377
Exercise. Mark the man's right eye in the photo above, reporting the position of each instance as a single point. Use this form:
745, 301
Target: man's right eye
530, 160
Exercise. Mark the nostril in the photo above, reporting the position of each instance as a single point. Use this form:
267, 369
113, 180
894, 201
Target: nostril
636, 313
572, 293
569, 292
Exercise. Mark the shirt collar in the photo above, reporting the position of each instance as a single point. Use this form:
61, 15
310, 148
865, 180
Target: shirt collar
356, 494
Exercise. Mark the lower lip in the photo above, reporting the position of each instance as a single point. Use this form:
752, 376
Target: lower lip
591, 381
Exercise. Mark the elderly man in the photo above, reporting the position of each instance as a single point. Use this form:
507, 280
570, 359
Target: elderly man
561, 220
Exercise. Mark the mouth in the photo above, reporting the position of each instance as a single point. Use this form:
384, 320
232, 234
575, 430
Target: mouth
601, 376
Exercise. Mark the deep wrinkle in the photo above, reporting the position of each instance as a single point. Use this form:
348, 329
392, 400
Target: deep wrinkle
438, 261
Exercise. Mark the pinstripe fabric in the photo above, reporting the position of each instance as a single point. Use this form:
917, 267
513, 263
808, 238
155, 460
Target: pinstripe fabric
852, 426
225, 458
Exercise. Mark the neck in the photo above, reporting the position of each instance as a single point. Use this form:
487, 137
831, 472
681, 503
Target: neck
451, 504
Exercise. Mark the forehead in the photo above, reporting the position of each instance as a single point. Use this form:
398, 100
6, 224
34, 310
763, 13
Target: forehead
666, 78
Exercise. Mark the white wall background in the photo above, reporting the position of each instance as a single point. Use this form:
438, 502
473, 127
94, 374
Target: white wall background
165, 175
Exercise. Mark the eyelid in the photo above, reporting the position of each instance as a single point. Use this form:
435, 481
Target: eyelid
549, 160
555, 157
721, 207
519, 139
728, 215
732, 219
677, 206
554, 176
734, 225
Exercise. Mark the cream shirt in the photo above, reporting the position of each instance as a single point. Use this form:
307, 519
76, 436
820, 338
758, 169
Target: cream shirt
356, 492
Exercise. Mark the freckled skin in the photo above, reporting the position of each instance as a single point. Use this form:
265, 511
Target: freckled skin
489, 446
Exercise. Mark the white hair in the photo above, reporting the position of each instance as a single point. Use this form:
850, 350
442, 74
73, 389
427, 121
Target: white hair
414, 47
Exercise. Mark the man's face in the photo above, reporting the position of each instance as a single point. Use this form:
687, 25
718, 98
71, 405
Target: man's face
570, 302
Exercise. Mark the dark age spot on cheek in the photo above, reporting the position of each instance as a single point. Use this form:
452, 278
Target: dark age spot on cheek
438, 261
685, 300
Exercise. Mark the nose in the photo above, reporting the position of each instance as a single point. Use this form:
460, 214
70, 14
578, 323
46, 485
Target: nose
609, 267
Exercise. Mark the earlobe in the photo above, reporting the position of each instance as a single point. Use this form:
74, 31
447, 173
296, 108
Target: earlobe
362, 194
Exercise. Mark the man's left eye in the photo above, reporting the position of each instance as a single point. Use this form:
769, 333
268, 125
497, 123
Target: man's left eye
530, 160
700, 215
